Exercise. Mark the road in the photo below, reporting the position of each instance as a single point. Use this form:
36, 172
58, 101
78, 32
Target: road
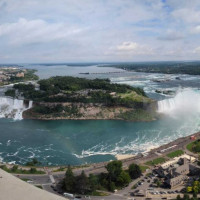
46, 180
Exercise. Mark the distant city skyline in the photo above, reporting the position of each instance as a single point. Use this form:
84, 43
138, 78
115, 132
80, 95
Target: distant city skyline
64, 31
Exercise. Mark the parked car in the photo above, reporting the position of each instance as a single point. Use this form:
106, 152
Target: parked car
78, 197
68, 194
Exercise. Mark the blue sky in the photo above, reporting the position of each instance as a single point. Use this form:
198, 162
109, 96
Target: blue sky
99, 30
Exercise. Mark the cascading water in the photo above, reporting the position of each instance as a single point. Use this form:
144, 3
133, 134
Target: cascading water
13, 108
186, 101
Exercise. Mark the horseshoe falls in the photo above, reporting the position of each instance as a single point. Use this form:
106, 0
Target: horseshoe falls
185, 102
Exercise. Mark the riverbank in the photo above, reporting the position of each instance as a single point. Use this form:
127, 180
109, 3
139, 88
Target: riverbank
123, 156
127, 159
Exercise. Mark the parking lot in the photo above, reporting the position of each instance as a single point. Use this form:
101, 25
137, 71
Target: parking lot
147, 187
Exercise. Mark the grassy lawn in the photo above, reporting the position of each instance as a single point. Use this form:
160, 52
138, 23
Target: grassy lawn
98, 193
194, 146
156, 161
143, 168
132, 95
189, 146
61, 169
175, 154
21, 171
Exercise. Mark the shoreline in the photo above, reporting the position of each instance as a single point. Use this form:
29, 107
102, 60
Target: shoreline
123, 157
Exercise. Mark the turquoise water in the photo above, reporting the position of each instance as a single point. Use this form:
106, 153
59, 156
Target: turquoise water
78, 142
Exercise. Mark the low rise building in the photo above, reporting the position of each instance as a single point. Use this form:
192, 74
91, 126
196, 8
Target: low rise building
20, 74
176, 173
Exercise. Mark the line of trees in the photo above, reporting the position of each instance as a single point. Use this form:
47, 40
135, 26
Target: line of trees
115, 178
192, 68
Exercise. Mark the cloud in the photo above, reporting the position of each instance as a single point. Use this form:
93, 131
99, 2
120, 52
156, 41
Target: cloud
103, 30
171, 35
130, 48
36, 31
196, 29
197, 50
127, 46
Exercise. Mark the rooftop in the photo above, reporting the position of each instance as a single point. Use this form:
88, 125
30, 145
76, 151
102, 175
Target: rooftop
12, 188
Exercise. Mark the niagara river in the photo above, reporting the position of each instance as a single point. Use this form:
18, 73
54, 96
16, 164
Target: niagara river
78, 142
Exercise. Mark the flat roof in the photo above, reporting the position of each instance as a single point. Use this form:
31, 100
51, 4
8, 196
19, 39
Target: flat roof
12, 188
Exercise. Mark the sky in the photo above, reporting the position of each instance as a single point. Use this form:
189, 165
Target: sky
37, 31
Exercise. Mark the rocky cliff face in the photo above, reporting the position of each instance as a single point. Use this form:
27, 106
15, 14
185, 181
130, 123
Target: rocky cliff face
96, 111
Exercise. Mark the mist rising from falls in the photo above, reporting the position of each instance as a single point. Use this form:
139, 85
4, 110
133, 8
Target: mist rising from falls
13, 108
186, 102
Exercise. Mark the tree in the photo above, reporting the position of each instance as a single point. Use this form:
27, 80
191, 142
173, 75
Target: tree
178, 197
33, 170
111, 186
198, 160
196, 148
82, 184
196, 187
123, 179
186, 197
93, 182
189, 189
103, 180
69, 180
134, 171
195, 195
114, 169
14, 168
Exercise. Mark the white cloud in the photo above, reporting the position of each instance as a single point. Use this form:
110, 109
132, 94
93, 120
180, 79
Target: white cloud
66, 30
130, 49
33, 31
171, 35
197, 50
127, 46
196, 29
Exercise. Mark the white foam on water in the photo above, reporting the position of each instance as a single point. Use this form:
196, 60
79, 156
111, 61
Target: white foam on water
186, 102
13, 108
132, 147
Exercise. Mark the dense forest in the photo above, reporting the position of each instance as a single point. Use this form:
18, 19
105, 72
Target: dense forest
71, 89
65, 97
191, 68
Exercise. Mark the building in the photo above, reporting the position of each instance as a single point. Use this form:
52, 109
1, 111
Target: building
176, 159
3, 77
174, 174
13, 188
193, 137
20, 74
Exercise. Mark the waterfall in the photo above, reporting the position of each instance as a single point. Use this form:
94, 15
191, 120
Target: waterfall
13, 108
185, 101
30, 105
